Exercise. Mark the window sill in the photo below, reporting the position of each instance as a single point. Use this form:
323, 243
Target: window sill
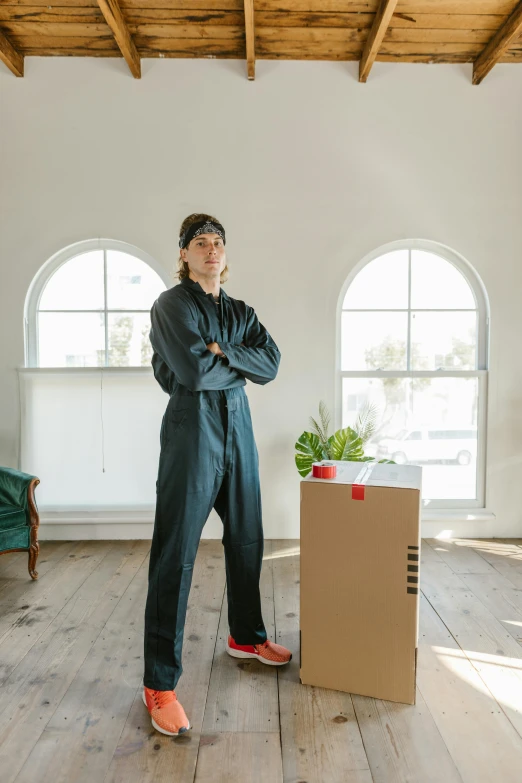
457, 515
86, 370
83, 514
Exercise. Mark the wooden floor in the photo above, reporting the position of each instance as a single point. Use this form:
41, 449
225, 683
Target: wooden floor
71, 663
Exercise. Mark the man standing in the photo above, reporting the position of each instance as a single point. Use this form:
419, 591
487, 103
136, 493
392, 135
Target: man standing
206, 345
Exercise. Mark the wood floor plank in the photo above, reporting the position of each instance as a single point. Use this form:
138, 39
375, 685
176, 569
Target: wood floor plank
402, 742
500, 597
20, 591
460, 555
143, 755
320, 737
94, 709
481, 740
492, 651
43, 676
10, 559
242, 694
71, 708
23, 625
14, 564
15, 579
239, 756
429, 553
505, 555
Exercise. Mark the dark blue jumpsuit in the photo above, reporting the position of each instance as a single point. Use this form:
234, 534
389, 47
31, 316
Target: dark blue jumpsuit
208, 460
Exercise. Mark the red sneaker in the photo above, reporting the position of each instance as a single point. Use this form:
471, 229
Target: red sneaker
167, 714
269, 652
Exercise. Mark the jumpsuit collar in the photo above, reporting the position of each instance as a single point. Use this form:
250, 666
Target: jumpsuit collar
196, 288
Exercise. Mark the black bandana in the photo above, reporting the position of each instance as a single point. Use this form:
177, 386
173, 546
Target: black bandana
202, 227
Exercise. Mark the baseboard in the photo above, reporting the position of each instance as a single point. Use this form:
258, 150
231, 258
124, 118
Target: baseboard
460, 523
100, 524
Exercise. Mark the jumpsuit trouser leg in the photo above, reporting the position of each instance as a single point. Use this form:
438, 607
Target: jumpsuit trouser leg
208, 459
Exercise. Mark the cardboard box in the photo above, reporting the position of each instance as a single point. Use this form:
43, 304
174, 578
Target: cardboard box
359, 583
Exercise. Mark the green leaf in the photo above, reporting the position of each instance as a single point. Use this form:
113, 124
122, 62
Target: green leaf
345, 444
309, 450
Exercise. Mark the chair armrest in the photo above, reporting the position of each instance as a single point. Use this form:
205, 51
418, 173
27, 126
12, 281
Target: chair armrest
17, 488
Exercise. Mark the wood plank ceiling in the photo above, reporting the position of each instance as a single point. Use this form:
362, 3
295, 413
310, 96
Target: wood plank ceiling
484, 32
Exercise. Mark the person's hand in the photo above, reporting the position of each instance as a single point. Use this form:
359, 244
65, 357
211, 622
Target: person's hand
214, 348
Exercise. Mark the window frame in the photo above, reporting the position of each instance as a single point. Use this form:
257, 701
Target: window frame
43, 276
480, 372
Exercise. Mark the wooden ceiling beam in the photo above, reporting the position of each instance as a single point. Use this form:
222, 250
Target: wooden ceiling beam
498, 45
11, 57
250, 41
114, 18
381, 23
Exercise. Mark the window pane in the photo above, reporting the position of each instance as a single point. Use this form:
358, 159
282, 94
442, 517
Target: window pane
71, 339
131, 283
382, 284
372, 341
422, 405
129, 344
389, 395
76, 285
443, 340
436, 284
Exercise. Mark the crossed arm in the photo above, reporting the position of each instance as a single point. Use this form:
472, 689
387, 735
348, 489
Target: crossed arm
176, 338
256, 359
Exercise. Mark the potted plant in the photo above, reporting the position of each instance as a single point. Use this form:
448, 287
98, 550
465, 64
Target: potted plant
345, 444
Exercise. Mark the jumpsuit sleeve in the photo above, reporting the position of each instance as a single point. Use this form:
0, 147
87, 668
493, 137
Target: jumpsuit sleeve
176, 338
258, 359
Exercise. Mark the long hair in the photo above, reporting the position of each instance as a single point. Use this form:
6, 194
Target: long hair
183, 268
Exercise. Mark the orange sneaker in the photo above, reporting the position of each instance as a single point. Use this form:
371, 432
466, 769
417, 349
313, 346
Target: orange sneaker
167, 714
268, 652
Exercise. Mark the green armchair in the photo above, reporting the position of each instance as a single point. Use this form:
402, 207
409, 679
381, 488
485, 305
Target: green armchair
19, 519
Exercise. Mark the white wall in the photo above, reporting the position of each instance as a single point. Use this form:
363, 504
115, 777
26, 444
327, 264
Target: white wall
308, 171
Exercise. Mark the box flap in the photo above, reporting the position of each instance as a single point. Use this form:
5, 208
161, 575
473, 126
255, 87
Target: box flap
373, 474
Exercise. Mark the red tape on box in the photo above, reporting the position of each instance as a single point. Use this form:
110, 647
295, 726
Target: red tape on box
357, 491
360, 481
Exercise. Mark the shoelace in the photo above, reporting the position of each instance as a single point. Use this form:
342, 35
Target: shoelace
265, 644
162, 698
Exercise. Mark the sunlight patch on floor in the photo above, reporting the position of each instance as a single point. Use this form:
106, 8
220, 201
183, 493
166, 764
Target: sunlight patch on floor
512, 551
291, 552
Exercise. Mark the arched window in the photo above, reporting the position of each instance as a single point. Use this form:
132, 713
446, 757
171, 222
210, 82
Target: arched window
413, 342
89, 306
